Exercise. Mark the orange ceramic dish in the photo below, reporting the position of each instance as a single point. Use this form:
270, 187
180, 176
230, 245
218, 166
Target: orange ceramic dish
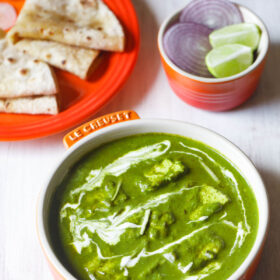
215, 94
114, 126
80, 99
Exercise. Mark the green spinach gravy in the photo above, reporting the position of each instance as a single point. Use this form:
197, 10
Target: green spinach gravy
153, 206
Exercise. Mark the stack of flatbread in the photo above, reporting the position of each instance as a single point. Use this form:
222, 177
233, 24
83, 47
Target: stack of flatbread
27, 85
67, 34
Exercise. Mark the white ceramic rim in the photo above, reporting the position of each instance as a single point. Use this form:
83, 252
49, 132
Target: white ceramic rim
263, 48
157, 125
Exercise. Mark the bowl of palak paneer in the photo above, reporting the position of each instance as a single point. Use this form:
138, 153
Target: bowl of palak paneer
153, 199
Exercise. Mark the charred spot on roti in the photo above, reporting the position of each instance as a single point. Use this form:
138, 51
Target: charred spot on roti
88, 38
37, 16
11, 59
37, 7
92, 3
24, 71
63, 62
16, 37
7, 104
48, 56
36, 60
99, 28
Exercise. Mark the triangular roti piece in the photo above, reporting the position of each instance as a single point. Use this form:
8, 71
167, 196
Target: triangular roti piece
70, 58
30, 105
84, 23
21, 75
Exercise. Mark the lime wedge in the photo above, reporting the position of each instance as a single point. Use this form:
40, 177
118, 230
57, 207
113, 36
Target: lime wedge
229, 60
247, 34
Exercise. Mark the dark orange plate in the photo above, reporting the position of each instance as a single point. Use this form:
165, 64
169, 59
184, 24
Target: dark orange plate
80, 99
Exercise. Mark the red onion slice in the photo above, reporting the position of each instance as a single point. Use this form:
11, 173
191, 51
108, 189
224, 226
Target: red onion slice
8, 16
186, 45
213, 13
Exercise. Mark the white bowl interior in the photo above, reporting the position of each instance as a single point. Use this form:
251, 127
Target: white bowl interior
117, 131
248, 16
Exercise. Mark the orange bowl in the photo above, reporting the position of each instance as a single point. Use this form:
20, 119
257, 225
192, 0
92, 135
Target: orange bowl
215, 94
114, 126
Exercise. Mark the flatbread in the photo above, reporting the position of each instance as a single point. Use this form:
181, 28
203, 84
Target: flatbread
70, 58
84, 23
21, 75
30, 105
2, 33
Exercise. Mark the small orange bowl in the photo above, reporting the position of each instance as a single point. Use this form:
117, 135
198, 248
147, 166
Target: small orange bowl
215, 94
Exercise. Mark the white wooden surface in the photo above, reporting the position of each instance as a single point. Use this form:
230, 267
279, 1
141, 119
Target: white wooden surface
254, 127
